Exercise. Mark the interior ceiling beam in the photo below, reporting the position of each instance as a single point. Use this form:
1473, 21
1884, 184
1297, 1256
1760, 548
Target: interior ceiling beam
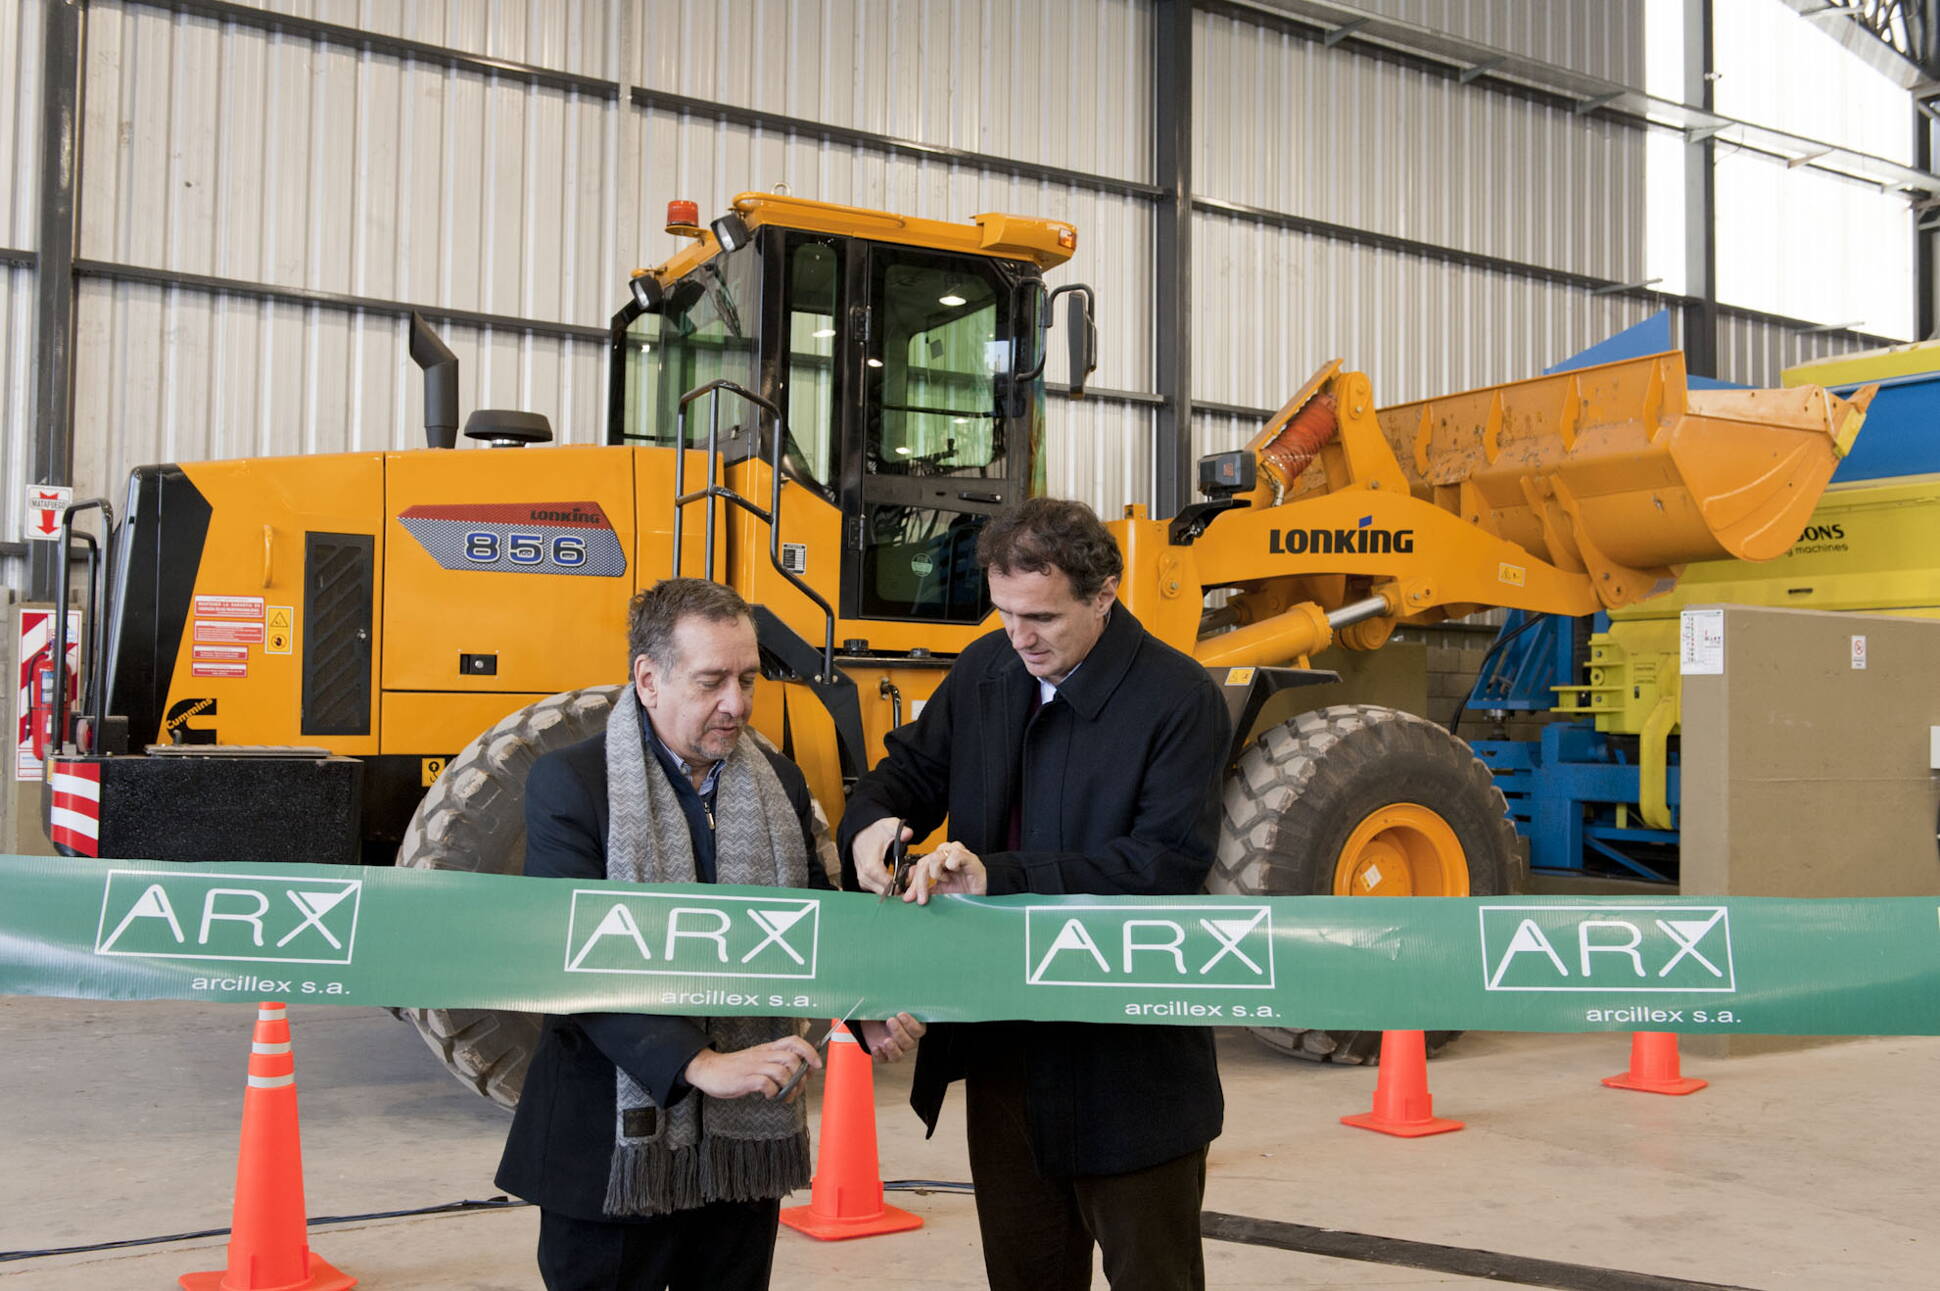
1461, 60
1898, 37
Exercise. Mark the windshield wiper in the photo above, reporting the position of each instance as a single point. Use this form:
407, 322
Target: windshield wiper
724, 303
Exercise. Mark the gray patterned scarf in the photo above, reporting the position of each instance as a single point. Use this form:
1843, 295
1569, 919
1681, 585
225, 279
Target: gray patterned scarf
702, 1149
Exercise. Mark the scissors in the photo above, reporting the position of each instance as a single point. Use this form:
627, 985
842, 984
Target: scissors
898, 861
796, 1079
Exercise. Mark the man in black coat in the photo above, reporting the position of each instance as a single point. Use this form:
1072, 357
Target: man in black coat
1072, 752
694, 664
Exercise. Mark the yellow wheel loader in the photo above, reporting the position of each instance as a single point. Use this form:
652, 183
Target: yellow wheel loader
344, 658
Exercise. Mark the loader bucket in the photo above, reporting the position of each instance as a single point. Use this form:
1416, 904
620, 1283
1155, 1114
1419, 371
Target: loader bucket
1620, 465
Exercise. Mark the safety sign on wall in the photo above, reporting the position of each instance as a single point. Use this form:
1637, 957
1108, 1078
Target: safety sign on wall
45, 503
36, 642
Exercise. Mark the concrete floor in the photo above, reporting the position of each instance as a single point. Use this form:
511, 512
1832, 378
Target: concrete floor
1799, 1171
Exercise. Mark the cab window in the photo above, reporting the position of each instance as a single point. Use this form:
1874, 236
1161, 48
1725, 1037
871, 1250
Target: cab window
705, 331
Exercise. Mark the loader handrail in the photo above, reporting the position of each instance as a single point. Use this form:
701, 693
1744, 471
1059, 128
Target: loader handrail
715, 489
92, 655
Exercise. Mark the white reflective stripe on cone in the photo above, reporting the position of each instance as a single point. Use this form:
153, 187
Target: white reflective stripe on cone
842, 1036
271, 1082
270, 1048
276, 1013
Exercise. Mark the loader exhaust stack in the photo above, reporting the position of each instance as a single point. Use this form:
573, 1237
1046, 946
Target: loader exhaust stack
440, 384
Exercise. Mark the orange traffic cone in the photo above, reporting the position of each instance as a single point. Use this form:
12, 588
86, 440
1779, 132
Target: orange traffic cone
846, 1200
1402, 1104
269, 1248
1653, 1066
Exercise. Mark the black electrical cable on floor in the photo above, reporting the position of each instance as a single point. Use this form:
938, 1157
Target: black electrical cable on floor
927, 1185
919, 1186
447, 1208
1492, 1266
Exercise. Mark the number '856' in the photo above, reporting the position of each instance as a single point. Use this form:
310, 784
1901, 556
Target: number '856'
485, 548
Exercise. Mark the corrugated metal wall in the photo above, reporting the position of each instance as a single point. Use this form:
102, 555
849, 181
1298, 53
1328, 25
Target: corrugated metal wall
20, 72
1288, 302
215, 149
16, 403
1598, 37
219, 150
182, 375
1292, 125
580, 36
20, 58
1065, 84
1755, 351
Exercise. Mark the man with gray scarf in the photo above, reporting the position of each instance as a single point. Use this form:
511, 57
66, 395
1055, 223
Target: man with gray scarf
657, 1147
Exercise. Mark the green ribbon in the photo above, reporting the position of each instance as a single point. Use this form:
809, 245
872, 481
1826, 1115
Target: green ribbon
130, 930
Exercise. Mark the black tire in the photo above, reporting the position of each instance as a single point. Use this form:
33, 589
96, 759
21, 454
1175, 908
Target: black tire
1299, 791
473, 818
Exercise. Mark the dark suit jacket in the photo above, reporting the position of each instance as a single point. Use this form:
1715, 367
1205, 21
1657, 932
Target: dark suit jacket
1118, 784
561, 1142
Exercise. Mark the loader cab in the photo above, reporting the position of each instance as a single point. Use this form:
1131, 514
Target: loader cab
893, 366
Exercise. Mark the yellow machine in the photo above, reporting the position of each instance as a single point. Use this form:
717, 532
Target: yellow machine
1868, 547
856, 393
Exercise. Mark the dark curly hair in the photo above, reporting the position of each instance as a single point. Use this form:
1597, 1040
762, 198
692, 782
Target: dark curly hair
652, 615
1043, 534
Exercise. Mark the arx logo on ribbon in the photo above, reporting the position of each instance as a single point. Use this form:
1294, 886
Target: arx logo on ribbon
159, 914
685, 936
1218, 946
1607, 948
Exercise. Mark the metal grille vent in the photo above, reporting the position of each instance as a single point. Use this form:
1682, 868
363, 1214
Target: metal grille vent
337, 601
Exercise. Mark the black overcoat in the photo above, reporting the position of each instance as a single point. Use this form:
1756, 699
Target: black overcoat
561, 1142
1118, 783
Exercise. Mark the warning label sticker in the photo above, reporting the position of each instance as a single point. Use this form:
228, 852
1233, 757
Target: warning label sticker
230, 633
219, 669
229, 607
223, 653
282, 619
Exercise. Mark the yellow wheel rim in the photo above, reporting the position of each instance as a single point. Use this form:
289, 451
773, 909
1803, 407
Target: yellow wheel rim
1402, 850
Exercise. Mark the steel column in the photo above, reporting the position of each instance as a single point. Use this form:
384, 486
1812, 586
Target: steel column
1172, 276
1700, 201
1924, 237
60, 151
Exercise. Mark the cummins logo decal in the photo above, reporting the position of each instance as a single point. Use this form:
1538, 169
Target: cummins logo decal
679, 936
519, 537
244, 918
1197, 946
1677, 948
1362, 540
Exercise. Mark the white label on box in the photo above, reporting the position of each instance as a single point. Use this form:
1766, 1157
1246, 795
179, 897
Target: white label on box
1859, 652
1701, 639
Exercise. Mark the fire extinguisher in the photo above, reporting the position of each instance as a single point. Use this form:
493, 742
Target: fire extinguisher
41, 711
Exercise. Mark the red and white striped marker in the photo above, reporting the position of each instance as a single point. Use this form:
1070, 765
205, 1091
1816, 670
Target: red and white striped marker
75, 822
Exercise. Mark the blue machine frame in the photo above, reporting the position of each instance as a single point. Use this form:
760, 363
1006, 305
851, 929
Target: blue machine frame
1571, 791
